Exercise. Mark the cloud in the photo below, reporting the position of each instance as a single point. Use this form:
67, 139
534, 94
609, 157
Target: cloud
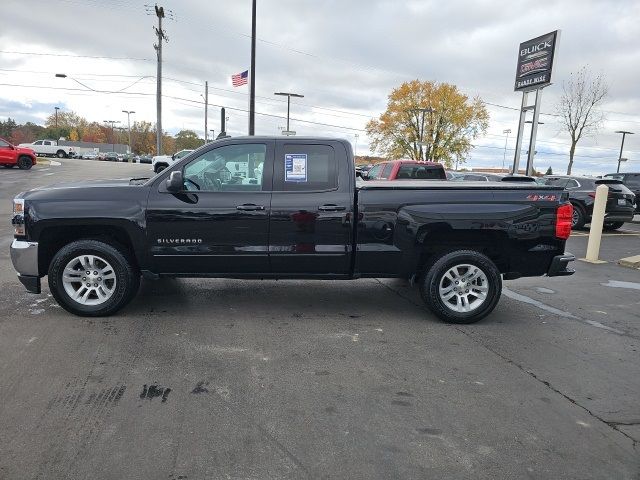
344, 56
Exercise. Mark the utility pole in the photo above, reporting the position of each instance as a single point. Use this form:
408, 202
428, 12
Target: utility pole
506, 139
355, 146
213, 137
57, 108
162, 36
113, 140
129, 112
624, 134
252, 84
206, 109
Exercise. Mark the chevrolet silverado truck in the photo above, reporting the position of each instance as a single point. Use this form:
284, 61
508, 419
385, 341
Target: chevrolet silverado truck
49, 148
10, 156
264, 207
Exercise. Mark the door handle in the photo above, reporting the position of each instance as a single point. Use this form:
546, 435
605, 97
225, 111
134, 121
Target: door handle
247, 207
331, 208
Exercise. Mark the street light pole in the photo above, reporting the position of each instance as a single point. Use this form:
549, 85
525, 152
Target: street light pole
213, 137
129, 112
288, 95
57, 108
355, 146
506, 131
624, 134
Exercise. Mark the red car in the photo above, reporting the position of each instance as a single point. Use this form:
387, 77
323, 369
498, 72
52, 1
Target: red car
406, 170
10, 156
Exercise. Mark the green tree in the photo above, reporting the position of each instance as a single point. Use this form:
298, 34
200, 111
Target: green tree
188, 139
7, 127
428, 121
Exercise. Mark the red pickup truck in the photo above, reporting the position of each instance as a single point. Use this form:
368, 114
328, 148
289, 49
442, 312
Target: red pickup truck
10, 156
406, 170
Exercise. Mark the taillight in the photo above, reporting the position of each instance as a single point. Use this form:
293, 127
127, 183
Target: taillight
564, 215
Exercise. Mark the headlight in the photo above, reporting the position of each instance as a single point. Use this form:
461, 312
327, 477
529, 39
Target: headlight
18, 217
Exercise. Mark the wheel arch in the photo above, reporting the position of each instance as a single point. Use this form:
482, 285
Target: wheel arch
53, 238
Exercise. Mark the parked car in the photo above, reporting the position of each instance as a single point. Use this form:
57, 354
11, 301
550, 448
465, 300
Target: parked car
10, 156
451, 174
631, 180
145, 159
269, 207
160, 162
406, 170
49, 148
90, 156
111, 157
582, 193
492, 177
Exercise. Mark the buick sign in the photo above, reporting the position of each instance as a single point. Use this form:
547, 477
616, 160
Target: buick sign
535, 62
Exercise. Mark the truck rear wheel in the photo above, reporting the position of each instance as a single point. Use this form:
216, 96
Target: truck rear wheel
92, 278
462, 286
61, 154
25, 163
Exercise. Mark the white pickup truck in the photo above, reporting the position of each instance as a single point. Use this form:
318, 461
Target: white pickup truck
160, 162
49, 148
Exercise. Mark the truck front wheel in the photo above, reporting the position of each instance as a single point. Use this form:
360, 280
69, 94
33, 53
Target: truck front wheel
61, 154
92, 278
462, 286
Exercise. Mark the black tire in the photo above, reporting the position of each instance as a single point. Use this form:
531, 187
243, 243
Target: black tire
160, 167
430, 282
61, 154
25, 163
127, 277
610, 226
579, 218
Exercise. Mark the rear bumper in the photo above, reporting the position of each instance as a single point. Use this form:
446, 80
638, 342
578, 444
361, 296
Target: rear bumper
559, 264
32, 284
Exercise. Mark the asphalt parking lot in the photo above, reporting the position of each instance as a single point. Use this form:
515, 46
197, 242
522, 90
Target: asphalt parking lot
308, 379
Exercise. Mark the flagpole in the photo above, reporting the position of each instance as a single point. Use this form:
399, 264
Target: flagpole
252, 85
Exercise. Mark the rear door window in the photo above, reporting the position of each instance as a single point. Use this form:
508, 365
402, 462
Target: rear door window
420, 172
305, 168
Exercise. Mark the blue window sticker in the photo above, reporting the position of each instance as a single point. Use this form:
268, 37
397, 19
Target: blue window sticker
295, 167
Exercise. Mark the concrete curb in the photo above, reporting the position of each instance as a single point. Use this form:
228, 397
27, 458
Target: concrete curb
630, 262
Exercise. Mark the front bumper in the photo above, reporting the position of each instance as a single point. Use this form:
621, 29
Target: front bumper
24, 256
559, 264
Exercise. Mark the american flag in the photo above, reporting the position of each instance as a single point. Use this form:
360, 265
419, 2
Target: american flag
240, 78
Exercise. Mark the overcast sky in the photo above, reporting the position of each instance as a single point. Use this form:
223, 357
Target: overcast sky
344, 56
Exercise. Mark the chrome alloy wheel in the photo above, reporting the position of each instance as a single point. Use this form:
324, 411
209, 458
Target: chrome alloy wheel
575, 216
463, 288
89, 280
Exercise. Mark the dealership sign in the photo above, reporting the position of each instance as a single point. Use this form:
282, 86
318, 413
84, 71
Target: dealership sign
535, 62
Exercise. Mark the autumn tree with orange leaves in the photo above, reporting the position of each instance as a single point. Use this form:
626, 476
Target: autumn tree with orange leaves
428, 121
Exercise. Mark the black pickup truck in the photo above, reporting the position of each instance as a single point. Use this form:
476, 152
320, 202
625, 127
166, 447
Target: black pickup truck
265, 207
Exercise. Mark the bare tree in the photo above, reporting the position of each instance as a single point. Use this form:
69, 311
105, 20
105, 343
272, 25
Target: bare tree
581, 94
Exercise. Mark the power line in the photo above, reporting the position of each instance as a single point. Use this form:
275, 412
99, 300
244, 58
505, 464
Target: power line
75, 56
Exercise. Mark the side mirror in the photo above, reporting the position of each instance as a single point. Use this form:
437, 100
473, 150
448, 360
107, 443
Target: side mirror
175, 182
173, 157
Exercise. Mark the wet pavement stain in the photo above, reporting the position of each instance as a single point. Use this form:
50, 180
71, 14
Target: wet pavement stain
152, 391
200, 388
429, 431
401, 403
